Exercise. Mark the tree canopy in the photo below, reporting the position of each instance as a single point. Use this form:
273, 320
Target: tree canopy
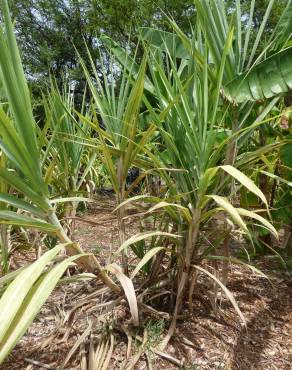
50, 32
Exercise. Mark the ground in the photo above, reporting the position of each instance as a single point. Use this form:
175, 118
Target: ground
202, 341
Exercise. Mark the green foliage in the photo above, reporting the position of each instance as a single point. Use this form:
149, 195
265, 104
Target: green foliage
154, 329
47, 30
22, 171
24, 297
265, 80
160, 107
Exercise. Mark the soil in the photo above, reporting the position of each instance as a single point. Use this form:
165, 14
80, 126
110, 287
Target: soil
203, 340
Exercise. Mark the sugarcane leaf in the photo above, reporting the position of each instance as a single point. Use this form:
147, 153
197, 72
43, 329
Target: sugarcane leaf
168, 206
21, 185
239, 262
135, 198
16, 89
225, 290
147, 257
21, 204
129, 290
33, 290
13, 147
145, 235
245, 181
70, 199
278, 178
228, 207
13, 218
19, 288
266, 223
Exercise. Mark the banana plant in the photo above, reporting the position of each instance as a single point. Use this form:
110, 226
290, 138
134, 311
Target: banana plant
247, 75
257, 73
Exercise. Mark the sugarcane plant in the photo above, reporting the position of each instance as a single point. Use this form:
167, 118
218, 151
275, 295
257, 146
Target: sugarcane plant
117, 120
68, 160
192, 94
191, 132
190, 111
30, 203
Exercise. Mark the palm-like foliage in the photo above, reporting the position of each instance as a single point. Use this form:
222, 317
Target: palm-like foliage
117, 121
190, 115
68, 159
66, 139
25, 295
19, 144
188, 81
170, 115
21, 170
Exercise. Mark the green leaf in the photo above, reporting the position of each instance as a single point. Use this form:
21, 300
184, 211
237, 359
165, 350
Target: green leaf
135, 198
123, 57
144, 235
267, 79
13, 218
14, 149
165, 41
28, 292
147, 257
11, 275
286, 154
16, 89
16, 292
278, 178
267, 224
282, 31
21, 204
168, 206
245, 181
21, 185
228, 207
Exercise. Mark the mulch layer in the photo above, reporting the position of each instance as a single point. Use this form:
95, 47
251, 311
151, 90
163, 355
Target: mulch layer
203, 340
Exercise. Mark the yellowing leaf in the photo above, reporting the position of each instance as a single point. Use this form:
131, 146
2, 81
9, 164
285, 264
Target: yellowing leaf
245, 181
228, 207
32, 304
266, 223
185, 211
145, 235
129, 290
225, 290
